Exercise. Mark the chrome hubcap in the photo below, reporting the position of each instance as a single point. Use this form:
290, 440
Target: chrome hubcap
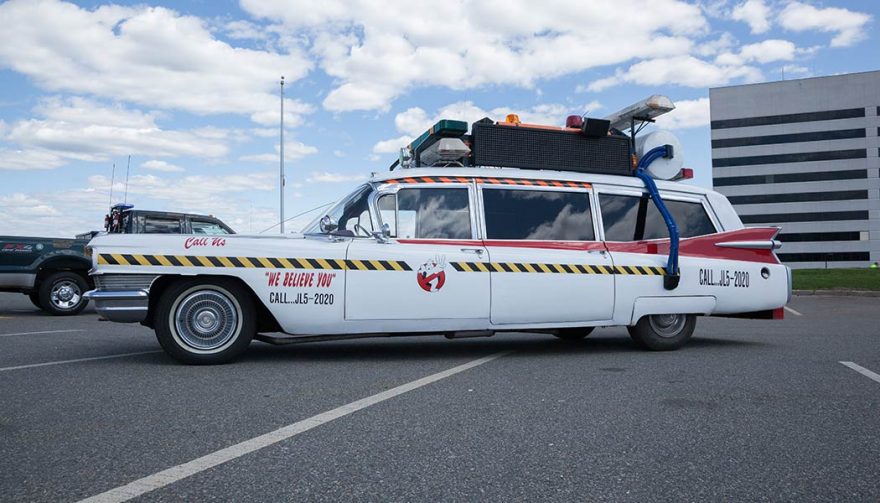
65, 294
667, 325
206, 320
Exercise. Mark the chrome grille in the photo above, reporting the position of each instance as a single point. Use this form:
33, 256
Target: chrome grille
111, 282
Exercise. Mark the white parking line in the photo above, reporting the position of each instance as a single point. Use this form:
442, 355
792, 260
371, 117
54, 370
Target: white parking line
198, 465
792, 311
862, 370
44, 332
60, 362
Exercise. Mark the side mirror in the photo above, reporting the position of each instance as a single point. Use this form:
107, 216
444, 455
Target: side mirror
383, 235
328, 224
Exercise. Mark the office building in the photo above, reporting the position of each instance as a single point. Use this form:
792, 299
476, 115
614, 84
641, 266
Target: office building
803, 154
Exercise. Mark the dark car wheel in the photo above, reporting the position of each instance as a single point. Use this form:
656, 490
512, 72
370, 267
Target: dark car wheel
663, 332
205, 322
61, 294
573, 334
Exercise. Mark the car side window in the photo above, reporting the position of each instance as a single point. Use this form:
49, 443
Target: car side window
631, 218
154, 225
207, 227
428, 213
537, 215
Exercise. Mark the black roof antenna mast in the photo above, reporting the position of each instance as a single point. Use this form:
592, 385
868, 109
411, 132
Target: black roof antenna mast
127, 166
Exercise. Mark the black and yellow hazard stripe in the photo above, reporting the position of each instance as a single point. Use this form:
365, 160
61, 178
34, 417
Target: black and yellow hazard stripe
557, 268
252, 262
362, 265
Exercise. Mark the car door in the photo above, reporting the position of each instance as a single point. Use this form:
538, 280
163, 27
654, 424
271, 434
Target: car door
426, 269
547, 266
638, 241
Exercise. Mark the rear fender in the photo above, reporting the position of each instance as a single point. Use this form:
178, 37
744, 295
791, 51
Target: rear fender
694, 304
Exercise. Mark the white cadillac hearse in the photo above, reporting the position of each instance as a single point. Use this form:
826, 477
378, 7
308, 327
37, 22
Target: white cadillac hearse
512, 227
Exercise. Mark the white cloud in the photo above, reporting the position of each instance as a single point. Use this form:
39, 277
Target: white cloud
722, 44
755, 13
377, 51
681, 70
768, 50
848, 26
151, 56
328, 177
156, 165
415, 121
687, 114
244, 30
82, 129
799, 70
763, 52
28, 159
293, 151
24, 205
391, 146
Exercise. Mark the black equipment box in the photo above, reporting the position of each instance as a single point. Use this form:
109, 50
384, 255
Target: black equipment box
536, 148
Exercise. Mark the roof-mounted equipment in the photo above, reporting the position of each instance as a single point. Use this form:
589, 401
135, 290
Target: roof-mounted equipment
585, 145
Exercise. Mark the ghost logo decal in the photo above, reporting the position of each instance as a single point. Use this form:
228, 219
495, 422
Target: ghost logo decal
431, 275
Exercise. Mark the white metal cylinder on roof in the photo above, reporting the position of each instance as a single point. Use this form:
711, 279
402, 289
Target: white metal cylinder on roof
662, 168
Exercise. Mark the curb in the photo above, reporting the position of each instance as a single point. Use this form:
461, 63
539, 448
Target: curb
838, 293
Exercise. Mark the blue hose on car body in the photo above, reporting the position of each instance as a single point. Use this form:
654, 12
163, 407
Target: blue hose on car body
672, 261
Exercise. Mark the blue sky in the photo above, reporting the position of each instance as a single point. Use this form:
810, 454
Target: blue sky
190, 89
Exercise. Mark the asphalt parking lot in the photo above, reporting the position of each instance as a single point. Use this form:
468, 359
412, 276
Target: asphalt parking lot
749, 410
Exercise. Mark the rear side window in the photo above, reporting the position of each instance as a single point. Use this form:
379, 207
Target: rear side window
428, 213
537, 215
207, 227
631, 218
153, 225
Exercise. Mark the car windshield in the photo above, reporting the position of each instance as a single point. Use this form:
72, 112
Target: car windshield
352, 213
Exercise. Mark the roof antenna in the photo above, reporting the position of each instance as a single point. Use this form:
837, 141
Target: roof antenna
127, 166
112, 178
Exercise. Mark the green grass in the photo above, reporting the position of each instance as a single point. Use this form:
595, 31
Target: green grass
829, 279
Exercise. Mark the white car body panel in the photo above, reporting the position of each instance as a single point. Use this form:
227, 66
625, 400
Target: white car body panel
350, 290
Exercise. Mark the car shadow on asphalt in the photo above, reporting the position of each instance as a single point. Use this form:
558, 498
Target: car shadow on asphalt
434, 347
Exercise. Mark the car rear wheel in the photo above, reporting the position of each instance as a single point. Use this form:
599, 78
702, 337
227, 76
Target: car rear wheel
573, 334
201, 322
663, 332
61, 294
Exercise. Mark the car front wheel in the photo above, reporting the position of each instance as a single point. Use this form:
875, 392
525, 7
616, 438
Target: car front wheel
205, 322
61, 294
663, 332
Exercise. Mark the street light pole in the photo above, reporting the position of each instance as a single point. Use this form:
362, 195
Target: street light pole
281, 131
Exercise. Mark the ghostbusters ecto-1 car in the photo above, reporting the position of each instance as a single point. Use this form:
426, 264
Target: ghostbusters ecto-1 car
512, 227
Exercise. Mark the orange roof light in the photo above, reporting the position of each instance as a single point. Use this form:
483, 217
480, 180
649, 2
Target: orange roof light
512, 119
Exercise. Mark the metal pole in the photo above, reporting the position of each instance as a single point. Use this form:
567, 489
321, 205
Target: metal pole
281, 131
112, 179
127, 168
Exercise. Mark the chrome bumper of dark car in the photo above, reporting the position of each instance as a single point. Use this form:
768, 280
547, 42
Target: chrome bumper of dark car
123, 306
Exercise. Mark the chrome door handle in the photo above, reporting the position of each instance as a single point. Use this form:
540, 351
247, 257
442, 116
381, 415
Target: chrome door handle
478, 251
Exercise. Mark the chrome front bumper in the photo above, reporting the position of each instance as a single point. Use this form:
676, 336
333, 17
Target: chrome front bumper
123, 306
